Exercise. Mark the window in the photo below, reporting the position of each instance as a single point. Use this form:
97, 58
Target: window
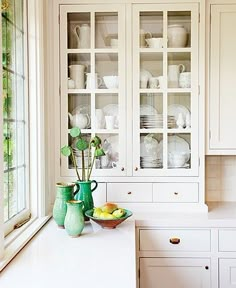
14, 109
23, 177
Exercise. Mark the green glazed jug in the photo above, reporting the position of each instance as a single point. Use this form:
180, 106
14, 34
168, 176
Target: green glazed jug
74, 220
64, 193
85, 194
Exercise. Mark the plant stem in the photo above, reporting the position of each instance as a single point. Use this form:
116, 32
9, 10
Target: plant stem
83, 168
88, 161
75, 164
91, 168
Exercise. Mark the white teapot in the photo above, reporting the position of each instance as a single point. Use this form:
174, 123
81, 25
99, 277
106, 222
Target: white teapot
79, 120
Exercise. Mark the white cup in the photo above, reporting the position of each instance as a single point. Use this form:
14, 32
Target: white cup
161, 82
114, 43
185, 80
153, 82
110, 121
93, 81
154, 42
177, 159
111, 82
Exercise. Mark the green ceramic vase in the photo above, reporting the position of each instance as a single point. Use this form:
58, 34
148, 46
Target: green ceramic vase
74, 220
85, 194
64, 193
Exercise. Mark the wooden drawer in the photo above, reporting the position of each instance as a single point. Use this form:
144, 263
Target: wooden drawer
227, 240
129, 192
174, 240
175, 192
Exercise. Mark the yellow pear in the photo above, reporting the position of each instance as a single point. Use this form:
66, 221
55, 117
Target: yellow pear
97, 212
106, 215
109, 207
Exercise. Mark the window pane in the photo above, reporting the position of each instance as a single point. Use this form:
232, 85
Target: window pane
14, 100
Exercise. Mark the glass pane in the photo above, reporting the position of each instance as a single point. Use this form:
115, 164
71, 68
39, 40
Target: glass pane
107, 68
151, 150
110, 144
151, 29
151, 70
179, 29
179, 110
79, 111
151, 110
179, 151
106, 30
179, 70
79, 31
78, 66
107, 111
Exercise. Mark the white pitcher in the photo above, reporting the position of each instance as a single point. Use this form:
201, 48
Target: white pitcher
77, 74
82, 33
173, 75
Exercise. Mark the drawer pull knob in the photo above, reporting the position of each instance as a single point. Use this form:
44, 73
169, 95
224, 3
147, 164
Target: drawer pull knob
136, 169
122, 169
129, 193
174, 240
176, 193
206, 267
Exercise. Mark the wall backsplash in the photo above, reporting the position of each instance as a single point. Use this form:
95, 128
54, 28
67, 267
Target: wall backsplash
220, 178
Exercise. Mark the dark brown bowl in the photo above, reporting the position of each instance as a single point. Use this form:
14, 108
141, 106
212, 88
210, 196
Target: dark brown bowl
108, 223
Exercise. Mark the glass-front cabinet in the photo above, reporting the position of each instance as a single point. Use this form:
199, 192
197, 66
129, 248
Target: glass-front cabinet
95, 77
165, 89
92, 61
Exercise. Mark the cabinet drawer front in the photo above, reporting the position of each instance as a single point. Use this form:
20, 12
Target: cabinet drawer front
174, 240
227, 240
175, 192
129, 192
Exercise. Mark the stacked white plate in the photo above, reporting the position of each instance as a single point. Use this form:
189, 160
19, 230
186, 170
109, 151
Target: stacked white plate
156, 121
150, 162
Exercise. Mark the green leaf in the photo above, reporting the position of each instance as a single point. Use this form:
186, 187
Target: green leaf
75, 132
96, 141
66, 151
82, 144
99, 152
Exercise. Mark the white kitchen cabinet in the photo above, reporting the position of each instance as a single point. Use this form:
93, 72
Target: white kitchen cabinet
222, 89
174, 272
227, 273
155, 107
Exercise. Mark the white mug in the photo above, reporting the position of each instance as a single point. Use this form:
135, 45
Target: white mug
93, 81
153, 82
110, 121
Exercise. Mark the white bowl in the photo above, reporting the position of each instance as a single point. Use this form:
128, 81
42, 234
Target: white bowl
111, 82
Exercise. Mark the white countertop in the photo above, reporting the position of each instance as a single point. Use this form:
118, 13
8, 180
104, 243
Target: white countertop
98, 258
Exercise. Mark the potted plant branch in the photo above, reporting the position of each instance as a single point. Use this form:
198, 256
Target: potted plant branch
83, 182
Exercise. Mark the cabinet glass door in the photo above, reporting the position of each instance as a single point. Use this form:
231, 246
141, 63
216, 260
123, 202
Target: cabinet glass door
93, 82
165, 89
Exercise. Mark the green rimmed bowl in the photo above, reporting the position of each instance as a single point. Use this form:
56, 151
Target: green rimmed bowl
108, 223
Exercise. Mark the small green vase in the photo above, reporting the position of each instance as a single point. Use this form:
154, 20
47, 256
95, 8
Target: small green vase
64, 193
74, 220
85, 190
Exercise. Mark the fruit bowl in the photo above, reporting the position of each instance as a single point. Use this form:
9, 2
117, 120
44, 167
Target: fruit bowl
108, 223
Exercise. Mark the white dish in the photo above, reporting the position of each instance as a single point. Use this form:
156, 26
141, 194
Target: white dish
144, 73
175, 109
146, 109
180, 145
112, 110
175, 167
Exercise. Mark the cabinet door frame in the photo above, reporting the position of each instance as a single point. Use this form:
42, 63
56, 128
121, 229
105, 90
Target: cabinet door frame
195, 99
93, 8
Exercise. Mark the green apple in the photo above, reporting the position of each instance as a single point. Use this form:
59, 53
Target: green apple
106, 215
118, 213
109, 207
97, 212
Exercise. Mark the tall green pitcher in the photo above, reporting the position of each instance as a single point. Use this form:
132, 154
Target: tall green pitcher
85, 194
64, 192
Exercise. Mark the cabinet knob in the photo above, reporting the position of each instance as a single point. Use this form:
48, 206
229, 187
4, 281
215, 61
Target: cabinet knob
129, 193
122, 168
176, 193
174, 241
206, 267
136, 169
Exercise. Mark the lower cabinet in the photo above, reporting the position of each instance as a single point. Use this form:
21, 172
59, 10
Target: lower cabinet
174, 272
227, 273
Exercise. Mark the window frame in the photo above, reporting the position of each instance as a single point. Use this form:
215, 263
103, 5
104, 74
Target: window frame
38, 192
